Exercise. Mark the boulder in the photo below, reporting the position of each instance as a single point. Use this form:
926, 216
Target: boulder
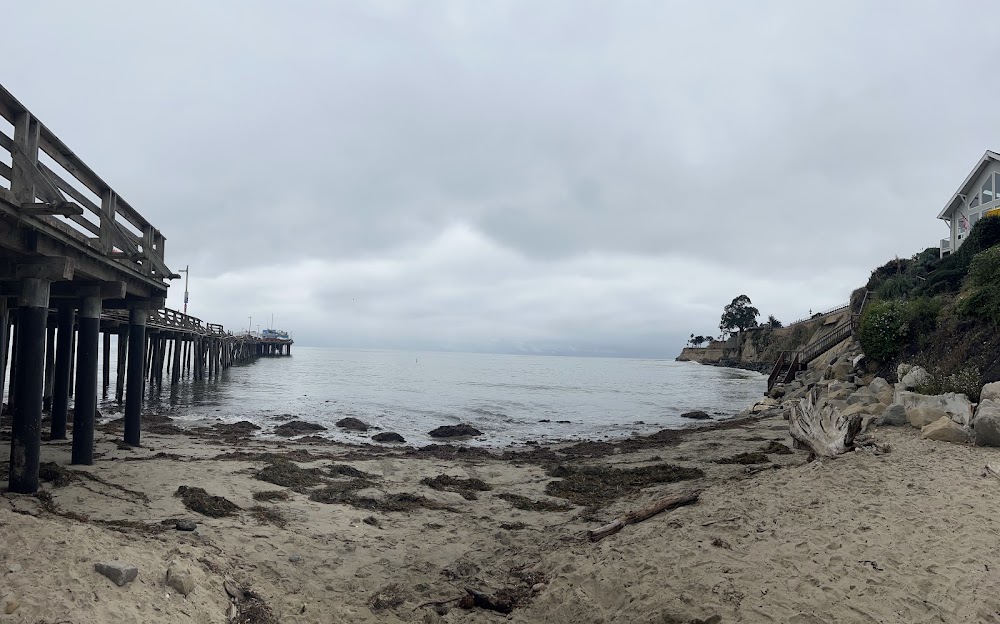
352, 424
990, 391
876, 409
839, 395
893, 416
119, 573
455, 431
179, 579
945, 430
914, 378
957, 406
297, 427
777, 392
851, 410
862, 396
388, 436
923, 416
696, 415
858, 362
839, 371
878, 386
987, 423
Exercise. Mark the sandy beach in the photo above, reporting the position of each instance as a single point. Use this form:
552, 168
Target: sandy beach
907, 536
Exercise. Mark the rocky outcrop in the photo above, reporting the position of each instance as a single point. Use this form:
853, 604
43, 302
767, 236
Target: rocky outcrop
696, 415
352, 424
455, 431
297, 427
945, 430
388, 436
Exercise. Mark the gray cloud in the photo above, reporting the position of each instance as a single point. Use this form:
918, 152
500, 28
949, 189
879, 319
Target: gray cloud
573, 176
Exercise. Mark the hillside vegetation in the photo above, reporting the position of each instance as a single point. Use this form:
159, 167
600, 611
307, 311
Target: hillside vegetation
942, 314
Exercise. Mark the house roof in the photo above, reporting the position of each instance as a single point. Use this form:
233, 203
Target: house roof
963, 191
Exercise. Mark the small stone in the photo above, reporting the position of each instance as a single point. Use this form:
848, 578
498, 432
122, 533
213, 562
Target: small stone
537, 587
14, 568
10, 605
119, 573
295, 558
185, 525
180, 579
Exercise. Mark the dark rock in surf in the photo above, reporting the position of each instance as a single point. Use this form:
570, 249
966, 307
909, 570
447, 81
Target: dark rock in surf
455, 431
352, 424
388, 436
297, 427
696, 415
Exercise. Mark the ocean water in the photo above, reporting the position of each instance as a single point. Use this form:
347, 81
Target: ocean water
511, 398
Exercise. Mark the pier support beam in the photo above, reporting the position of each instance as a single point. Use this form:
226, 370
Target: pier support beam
50, 360
134, 383
60, 390
25, 443
85, 406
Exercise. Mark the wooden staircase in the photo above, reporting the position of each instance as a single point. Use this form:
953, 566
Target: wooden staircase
791, 362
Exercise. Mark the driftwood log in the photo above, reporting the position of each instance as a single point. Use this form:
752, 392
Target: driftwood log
822, 428
991, 470
639, 515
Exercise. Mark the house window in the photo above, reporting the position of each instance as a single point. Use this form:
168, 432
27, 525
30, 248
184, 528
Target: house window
974, 202
973, 218
987, 190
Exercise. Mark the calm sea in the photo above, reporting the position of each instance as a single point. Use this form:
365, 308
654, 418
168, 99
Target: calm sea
511, 398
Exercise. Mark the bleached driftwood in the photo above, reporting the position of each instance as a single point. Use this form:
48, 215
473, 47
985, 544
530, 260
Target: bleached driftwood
991, 470
639, 515
822, 428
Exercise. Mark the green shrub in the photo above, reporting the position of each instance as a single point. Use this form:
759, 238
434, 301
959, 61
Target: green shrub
897, 287
886, 327
983, 297
881, 330
950, 271
966, 380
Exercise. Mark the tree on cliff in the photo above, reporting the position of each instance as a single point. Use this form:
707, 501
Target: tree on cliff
773, 323
697, 341
739, 315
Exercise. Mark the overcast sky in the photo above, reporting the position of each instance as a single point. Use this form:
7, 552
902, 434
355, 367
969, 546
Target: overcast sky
567, 176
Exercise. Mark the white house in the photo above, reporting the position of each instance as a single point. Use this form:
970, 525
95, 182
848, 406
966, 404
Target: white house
979, 195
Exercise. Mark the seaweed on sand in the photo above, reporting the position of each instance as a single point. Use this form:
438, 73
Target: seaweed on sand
595, 485
745, 459
285, 473
267, 496
198, 500
466, 487
264, 514
525, 503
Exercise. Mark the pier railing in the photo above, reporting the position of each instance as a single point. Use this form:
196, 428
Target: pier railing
47, 182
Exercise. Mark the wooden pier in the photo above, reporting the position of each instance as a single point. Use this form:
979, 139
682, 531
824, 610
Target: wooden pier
77, 261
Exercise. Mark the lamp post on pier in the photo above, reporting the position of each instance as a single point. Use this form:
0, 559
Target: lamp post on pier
187, 274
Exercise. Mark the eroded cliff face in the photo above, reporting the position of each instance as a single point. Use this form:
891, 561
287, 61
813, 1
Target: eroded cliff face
758, 348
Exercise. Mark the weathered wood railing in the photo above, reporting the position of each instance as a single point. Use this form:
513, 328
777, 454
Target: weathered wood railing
48, 182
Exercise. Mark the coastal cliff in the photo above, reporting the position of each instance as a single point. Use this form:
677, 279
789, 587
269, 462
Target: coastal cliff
759, 347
